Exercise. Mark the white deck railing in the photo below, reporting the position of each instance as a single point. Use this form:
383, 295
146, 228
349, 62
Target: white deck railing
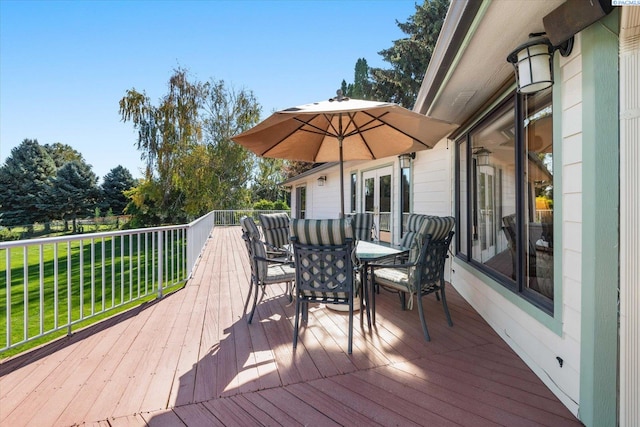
51, 284
232, 217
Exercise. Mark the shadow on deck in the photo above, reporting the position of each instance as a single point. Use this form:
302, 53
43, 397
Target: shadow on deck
191, 359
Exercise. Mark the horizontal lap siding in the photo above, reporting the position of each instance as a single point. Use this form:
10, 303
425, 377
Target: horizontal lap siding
432, 180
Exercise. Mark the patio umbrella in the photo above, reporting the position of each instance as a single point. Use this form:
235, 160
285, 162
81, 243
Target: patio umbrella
342, 129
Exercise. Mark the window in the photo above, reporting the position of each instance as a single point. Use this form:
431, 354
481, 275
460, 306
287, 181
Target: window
504, 196
354, 186
301, 202
405, 195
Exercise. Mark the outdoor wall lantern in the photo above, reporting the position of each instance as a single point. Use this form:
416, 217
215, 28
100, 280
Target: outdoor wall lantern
482, 156
533, 62
322, 180
405, 159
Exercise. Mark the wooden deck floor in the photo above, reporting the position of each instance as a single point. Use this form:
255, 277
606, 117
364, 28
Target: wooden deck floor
191, 359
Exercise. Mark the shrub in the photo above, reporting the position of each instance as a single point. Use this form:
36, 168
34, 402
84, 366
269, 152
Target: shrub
280, 205
263, 205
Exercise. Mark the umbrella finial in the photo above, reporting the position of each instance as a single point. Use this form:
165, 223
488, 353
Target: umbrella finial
339, 97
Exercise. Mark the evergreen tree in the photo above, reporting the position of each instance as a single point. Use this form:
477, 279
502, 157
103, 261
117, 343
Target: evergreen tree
25, 183
114, 184
62, 153
362, 87
75, 191
410, 57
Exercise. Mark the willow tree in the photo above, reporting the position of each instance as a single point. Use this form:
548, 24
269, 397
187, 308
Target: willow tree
223, 168
192, 165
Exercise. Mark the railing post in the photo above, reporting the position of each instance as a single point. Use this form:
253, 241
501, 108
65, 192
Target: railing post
160, 262
190, 250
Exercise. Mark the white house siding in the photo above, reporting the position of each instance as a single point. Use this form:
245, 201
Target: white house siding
537, 344
324, 202
431, 178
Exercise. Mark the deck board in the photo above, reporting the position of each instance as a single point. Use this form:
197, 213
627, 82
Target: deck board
191, 359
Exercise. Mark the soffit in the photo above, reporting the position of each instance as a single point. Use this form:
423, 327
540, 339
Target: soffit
481, 68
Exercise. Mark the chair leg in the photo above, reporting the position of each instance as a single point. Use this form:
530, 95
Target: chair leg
296, 323
246, 302
255, 303
446, 307
290, 291
403, 300
350, 345
422, 319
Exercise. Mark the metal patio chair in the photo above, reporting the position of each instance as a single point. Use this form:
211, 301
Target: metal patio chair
322, 251
264, 270
422, 273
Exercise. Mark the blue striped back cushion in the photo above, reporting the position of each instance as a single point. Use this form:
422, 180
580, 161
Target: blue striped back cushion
259, 251
275, 228
414, 222
362, 224
438, 226
321, 231
249, 225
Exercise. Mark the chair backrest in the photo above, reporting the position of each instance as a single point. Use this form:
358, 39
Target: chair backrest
322, 252
362, 224
436, 234
255, 248
249, 226
412, 227
275, 228
321, 232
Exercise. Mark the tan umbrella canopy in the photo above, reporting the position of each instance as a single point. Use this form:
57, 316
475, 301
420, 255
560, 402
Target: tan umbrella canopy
342, 129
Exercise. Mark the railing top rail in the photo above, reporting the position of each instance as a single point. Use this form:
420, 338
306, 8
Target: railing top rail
202, 218
87, 236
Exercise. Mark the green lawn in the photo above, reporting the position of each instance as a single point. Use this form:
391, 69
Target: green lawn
124, 271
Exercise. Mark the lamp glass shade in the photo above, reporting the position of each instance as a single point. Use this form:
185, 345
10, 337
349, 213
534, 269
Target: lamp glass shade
482, 156
534, 68
405, 161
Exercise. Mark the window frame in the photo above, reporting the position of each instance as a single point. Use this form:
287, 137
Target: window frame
516, 286
301, 198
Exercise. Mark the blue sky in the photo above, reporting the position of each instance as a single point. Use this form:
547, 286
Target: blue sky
64, 65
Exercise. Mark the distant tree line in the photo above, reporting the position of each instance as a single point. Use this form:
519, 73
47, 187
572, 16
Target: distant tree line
43, 183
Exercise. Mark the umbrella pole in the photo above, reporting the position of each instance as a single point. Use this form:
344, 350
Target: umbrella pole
341, 180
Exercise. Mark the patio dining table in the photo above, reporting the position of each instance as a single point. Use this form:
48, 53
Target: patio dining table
367, 252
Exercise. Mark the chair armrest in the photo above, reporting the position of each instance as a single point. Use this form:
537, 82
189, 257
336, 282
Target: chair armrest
383, 265
274, 260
